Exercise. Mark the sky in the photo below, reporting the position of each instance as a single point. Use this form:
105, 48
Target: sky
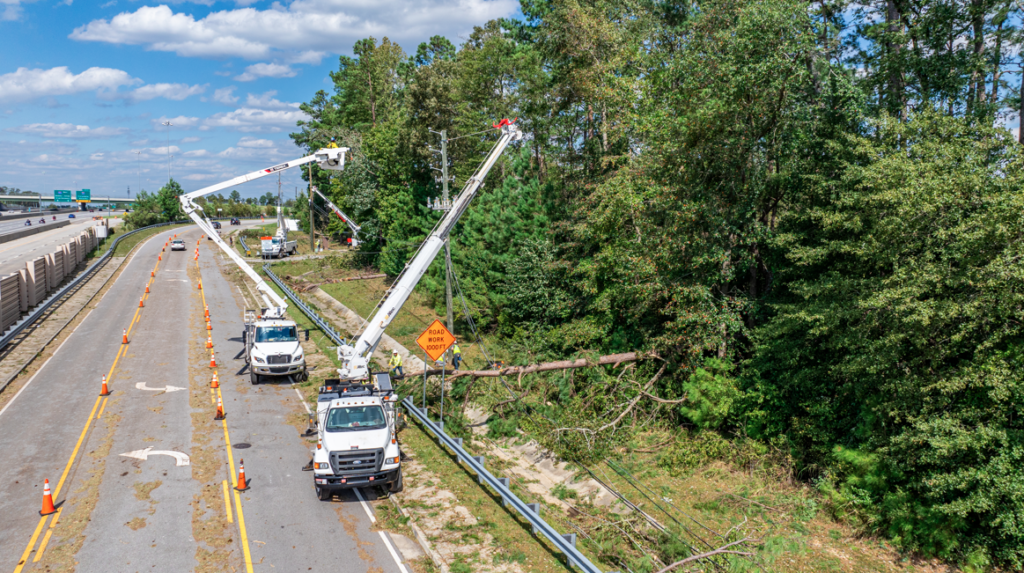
86, 86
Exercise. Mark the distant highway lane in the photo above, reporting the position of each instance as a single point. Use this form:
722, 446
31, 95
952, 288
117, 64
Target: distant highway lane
15, 254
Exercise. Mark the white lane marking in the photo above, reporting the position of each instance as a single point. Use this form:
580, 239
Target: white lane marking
394, 554
180, 459
142, 386
366, 507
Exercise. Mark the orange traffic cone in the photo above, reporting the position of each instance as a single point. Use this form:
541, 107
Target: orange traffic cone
213, 361
209, 342
242, 483
140, 301
103, 389
207, 312
220, 410
209, 326
152, 273
147, 289
214, 383
124, 337
159, 257
200, 285
47, 500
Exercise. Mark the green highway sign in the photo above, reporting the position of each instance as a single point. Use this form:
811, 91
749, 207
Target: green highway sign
83, 195
62, 196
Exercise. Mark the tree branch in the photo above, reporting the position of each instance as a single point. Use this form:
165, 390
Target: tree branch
719, 551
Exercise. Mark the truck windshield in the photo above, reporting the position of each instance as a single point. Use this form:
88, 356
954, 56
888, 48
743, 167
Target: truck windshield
355, 418
276, 334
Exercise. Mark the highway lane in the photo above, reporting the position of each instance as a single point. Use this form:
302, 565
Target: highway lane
18, 223
127, 514
15, 254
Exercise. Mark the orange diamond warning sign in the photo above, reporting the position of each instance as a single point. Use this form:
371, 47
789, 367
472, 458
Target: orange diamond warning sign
435, 340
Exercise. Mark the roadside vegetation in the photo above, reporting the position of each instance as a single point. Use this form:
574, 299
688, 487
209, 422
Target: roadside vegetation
816, 233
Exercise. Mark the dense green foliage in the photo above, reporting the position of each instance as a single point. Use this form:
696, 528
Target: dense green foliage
810, 211
150, 209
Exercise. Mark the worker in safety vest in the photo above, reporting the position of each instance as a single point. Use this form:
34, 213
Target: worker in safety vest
318, 245
396, 364
456, 355
332, 144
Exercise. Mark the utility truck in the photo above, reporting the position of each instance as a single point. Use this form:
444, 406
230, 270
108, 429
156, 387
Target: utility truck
278, 245
271, 341
357, 443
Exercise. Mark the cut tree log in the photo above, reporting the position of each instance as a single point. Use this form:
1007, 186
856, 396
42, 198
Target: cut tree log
609, 360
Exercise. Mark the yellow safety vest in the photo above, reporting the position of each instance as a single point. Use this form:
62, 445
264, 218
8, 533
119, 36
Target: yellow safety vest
396, 360
332, 145
457, 350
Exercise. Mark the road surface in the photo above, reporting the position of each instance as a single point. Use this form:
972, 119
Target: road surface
15, 254
146, 511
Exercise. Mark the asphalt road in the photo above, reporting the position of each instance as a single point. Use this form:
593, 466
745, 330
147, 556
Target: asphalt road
121, 513
18, 223
15, 254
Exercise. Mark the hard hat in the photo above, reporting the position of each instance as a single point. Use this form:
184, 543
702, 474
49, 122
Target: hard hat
332, 139
394, 351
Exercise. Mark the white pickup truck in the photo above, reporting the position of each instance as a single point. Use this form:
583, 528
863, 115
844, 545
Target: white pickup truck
277, 246
357, 432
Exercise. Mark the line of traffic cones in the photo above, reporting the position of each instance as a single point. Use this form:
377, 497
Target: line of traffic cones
242, 484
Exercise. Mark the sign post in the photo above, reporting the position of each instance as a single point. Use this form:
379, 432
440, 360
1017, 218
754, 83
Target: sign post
435, 341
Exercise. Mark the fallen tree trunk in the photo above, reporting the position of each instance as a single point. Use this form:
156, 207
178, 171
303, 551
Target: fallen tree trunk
611, 359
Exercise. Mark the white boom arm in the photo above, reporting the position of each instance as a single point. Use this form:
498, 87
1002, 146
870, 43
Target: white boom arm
355, 358
348, 220
330, 158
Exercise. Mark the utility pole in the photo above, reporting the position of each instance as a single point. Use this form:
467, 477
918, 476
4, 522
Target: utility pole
312, 229
445, 205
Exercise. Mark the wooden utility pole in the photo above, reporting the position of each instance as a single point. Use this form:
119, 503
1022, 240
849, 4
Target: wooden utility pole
312, 227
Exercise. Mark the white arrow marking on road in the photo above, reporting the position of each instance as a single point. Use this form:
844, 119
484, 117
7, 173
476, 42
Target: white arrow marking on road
142, 386
180, 459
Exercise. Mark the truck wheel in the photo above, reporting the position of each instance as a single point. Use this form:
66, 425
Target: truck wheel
323, 494
305, 375
397, 486
254, 378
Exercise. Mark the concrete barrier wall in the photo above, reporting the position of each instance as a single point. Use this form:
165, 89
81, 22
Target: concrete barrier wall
15, 235
28, 287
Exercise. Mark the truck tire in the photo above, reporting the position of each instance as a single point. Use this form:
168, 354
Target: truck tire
254, 378
305, 375
397, 486
323, 494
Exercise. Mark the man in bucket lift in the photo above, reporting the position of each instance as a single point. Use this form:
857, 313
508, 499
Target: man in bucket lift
396, 364
332, 144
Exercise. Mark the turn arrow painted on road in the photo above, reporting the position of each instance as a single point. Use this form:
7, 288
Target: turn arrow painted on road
180, 459
142, 386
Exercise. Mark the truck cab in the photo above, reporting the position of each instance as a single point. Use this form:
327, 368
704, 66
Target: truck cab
272, 347
277, 246
357, 433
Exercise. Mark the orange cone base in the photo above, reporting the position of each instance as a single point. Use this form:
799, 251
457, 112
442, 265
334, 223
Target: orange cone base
214, 383
200, 285
159, 257
220, 415
209, 326
213, 363
147, 289
104, 391
152, 273
246, 488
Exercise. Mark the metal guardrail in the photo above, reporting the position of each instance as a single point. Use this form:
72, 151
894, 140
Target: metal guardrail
531, 511
42, 307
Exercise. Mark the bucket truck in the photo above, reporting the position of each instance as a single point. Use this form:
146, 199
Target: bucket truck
345, 218
271, 341
278, 245
357, 441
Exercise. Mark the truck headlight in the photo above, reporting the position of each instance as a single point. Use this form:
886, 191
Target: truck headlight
258, 359
297, 357
322, 465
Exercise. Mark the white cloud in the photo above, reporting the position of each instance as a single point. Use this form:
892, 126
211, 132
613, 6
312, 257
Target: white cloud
249, 119
263, 70
294, 33
225, 95
266, 101
180, 121
25, 84
195, 153
67, 130
253, 142
12, 9
191, 139
176, 92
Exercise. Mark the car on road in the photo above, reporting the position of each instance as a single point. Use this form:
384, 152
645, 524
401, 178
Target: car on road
177, 245
216, 224
235, 221
71, 216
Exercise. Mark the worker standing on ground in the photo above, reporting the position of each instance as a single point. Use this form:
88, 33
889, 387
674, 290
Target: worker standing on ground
456, 355
396, 364
318, 245
332, 144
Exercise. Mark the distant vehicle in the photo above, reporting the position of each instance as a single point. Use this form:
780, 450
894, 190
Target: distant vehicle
42, 221
71, 216
235, 221
91, 210
216, 224
28, 222
177, 245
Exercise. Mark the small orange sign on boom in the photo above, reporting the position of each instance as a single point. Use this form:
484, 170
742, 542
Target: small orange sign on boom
435, 340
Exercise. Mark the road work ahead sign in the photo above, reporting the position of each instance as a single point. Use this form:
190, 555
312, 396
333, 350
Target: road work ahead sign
435, 340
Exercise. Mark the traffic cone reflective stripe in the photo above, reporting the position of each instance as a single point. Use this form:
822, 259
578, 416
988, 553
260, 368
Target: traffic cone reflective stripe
209, 326
242, 485
124, 337
213, 361
47, 500
220, 410
103, 389
214, 383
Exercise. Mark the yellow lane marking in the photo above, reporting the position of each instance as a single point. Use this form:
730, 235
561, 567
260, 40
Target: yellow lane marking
46, 538
102, 407
227, 501
245, 540
31, 544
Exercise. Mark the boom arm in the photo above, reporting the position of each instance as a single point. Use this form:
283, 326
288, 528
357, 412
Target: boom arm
348, 220
355, 358
330, 158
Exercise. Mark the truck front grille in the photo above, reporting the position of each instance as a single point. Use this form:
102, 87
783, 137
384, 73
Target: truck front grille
356, 462
279, 359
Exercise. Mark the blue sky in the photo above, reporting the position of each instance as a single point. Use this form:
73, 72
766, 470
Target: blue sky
85, 86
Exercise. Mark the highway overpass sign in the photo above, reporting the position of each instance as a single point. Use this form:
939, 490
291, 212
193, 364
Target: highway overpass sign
84, 195
62, 196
